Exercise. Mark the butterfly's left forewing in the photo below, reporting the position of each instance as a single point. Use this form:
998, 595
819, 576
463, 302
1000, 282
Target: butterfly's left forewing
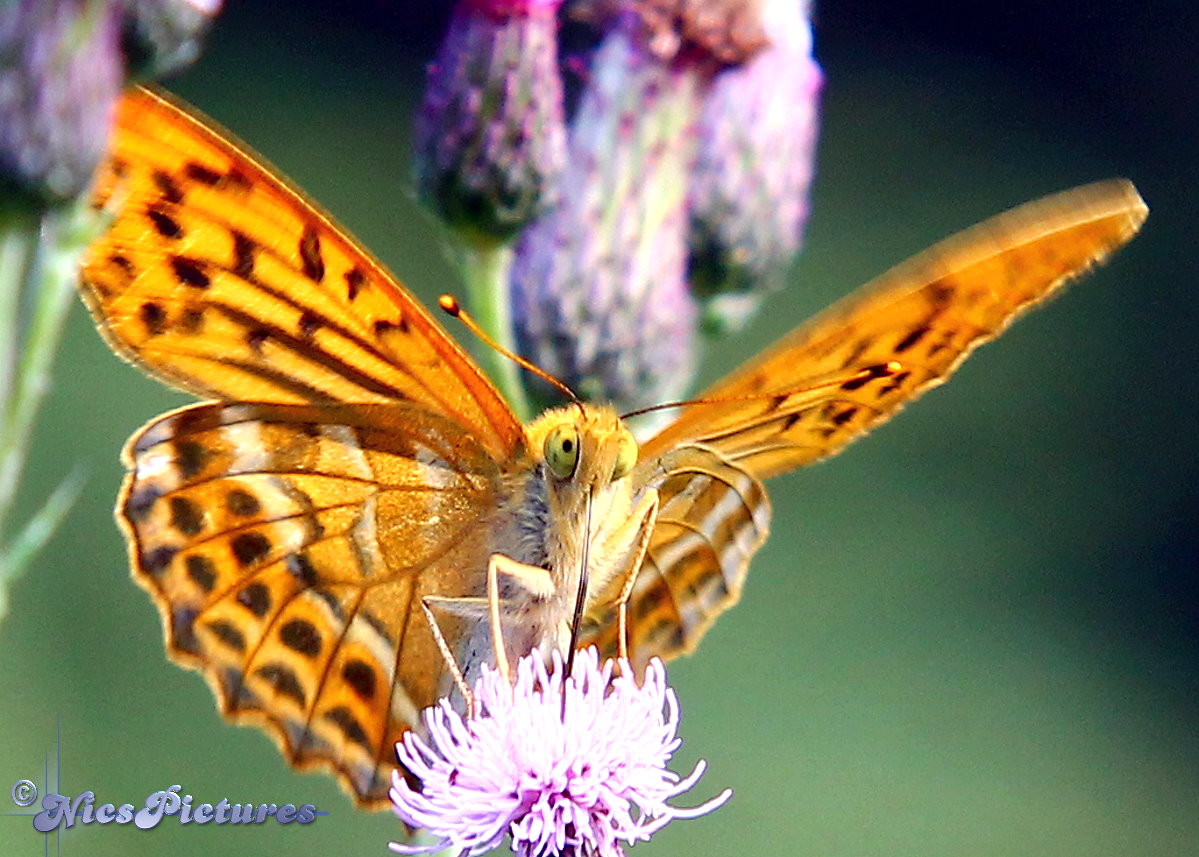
219, 278
848, 370
927, 314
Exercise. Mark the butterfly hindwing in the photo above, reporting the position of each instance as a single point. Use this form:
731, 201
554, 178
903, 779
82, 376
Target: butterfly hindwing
712, 518
288, 547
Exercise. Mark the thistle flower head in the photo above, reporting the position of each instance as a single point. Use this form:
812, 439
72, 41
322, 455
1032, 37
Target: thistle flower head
61, 75
749, 191
490, 136
65, 63
162, 36
599, 292
726, 31
561, 764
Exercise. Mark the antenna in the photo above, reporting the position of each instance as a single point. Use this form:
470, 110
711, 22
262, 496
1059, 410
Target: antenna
449, 304
856, 378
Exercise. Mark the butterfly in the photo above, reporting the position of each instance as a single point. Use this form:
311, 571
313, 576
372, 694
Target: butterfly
351, 464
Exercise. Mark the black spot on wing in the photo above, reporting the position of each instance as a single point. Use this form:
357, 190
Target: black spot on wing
190, 272
201, 570
164, 224
191, 320
911, 339
128, 270
227, 634
249, 548
167, 187
355, 280
309, 324
186, 516
190, 458
283, 680
204, 175
245, 250
844, 416
256, 598
242, 503
310, 254
360, 677
301, 636
349, 725
153, 318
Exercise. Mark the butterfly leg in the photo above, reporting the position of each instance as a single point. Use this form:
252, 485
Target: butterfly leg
536, 581
447, 655
643, 517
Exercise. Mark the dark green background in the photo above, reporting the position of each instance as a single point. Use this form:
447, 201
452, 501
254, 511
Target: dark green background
975, 633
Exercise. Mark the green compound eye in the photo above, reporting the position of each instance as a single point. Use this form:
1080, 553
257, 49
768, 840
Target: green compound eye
626, 457
562, 451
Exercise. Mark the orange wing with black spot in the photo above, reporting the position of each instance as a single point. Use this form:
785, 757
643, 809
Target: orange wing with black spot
831, 380
221, 279
928, 314
349, 467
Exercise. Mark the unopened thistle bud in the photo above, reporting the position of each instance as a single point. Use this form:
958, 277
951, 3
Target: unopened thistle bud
161, 36
749, 190
599, 294
60, 73
490, 137
63, 64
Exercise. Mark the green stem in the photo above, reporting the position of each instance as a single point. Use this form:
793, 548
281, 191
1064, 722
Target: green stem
18, 248
32, 537
485, 270
50, 280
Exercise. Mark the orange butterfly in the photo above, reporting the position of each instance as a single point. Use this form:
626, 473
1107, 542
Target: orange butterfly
354, 464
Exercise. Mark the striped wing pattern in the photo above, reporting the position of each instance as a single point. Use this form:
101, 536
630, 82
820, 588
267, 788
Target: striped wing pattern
787, 408
712, 518
284, 548
220, 279
822, 386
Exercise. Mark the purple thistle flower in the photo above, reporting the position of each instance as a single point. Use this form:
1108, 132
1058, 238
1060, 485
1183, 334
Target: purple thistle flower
599, 296
749, 190
162, 36
563, 765
64, 65
61, 75
728, 31
490, 137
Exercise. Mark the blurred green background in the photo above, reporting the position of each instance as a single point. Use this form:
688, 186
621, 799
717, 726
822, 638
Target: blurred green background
975, 633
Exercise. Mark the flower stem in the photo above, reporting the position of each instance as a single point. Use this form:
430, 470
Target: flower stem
485, 269
39, 261
18, 247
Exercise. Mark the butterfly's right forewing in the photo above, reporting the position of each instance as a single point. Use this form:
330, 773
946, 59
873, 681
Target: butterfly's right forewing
841, 374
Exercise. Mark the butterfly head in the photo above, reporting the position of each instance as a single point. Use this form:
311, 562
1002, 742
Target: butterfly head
582, 449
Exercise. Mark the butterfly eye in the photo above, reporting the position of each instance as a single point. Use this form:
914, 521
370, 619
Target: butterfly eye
562, 451
626, 456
